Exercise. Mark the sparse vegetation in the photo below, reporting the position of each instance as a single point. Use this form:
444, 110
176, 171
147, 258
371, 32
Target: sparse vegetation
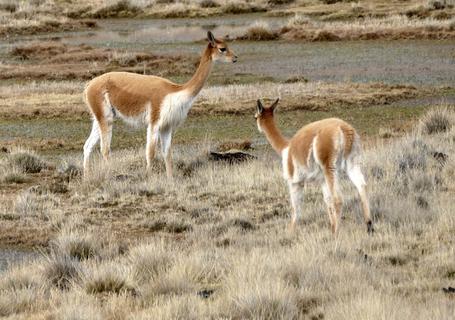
237, 259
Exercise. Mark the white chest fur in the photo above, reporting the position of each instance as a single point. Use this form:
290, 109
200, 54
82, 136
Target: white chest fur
174, 109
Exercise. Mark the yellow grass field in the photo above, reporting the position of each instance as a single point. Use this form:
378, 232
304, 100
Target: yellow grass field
214, 242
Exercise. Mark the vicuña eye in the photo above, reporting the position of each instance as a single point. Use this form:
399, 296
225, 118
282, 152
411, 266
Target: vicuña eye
222, 49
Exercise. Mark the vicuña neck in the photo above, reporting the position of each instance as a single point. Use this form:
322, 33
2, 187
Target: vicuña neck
274, 136
195, 84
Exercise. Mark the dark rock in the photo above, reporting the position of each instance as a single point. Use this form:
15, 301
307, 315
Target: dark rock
440, 157
449, 290
422, 202
231, 156
205, 293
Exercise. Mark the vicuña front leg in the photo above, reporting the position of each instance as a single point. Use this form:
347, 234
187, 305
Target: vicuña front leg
166, 137
92, 140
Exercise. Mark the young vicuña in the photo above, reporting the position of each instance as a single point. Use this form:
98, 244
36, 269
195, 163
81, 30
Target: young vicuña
155, 101
317, 152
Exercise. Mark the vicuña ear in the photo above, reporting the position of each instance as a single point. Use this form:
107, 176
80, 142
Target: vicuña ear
260, 107
211, 38
275, 104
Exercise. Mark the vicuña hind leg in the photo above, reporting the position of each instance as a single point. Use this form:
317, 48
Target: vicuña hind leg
296, 192
106, 137
357, 178
152, 139
333, 198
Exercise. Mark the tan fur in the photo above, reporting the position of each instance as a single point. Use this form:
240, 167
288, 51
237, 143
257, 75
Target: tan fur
325, 144
133, 95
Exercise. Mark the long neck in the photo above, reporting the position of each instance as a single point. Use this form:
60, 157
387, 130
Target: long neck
195, 84
273, 135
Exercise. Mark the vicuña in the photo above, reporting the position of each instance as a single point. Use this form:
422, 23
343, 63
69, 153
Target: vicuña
317, 152
159, 103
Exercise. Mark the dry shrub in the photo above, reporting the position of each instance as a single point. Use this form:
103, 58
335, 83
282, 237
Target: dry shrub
27, 161
331, 1
260, 31
437, 120
238, 7
209, 4
9, 6
235, 144
297, 21
436, 4
279, 2
121, 9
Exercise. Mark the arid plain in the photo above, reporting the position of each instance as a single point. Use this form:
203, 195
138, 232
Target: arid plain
214, 242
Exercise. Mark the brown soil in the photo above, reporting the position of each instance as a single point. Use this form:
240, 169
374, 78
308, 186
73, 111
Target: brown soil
47, 26
58, 61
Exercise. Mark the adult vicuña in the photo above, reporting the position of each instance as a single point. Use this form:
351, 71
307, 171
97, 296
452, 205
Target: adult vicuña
155, 101
318, 151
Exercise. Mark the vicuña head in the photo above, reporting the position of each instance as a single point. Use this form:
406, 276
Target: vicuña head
220, 50
317, 152
157, 102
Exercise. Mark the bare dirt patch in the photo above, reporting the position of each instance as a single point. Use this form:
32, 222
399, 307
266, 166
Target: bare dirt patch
58, 61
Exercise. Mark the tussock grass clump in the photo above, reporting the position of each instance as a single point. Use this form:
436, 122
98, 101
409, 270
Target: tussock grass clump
171, 225
61, 270
18, 301
108, 277
77, 245
27, 161
29, 203
10, 174
437, 120
20, 277
149, 261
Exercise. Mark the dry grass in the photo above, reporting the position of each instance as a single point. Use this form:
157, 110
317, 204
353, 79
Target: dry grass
259, 31
395, 27
237, 260
49, 99
30, 17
